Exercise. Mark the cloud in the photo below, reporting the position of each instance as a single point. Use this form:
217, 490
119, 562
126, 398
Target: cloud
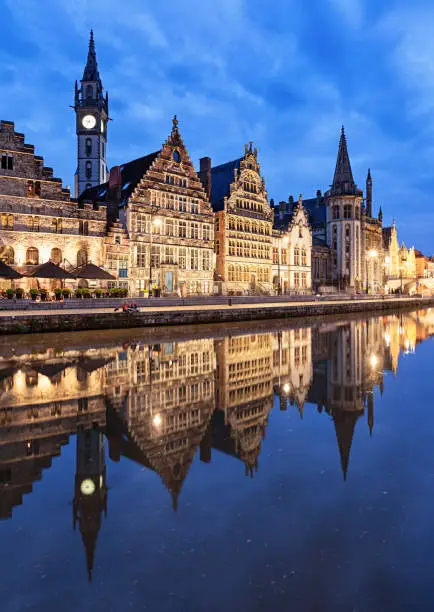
286, 77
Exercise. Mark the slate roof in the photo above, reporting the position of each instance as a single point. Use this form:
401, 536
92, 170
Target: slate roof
387, 234
221, 178
131, 174
316, 211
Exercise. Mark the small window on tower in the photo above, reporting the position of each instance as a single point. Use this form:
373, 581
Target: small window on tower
38, 189
88, 169
4, 161
89, 91
176, 156
88, 147
10, 162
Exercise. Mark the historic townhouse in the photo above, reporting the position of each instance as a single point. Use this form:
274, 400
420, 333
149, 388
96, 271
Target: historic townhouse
161, 202
399, 262
39, 221
243, 224
292, 249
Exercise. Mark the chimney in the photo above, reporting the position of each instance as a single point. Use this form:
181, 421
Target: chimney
205, 174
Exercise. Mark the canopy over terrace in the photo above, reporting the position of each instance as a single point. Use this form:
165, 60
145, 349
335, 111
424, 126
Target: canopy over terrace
50, 270
90, 271
8, 272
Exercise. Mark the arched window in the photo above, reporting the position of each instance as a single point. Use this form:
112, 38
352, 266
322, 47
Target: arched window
89, 91
56, 256
32, 256
88, 147
7, 254
88, 169
335, 212
81, 257
176, 156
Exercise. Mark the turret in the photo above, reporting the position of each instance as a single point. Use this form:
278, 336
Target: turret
369, 194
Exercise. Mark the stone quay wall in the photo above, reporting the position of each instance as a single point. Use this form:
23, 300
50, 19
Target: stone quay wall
81, 321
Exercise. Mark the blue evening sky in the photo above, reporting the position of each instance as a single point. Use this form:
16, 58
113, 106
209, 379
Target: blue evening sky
285, 74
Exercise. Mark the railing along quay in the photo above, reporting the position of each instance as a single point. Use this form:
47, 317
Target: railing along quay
155, 302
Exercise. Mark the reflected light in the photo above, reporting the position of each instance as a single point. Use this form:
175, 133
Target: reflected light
372, 253
156, 421
156, 222
87, 487
387, 339
373, 361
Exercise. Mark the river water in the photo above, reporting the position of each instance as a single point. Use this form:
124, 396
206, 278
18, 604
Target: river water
275, 466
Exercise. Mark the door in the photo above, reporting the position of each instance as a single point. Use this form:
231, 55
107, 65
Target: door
168, 281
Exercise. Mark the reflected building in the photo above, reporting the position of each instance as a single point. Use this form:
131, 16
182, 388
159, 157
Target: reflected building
43, 399
244, 396
292, 366
168, 407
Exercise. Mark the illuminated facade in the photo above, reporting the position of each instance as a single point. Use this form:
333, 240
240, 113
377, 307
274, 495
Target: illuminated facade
243, 224
292, 251
400, 270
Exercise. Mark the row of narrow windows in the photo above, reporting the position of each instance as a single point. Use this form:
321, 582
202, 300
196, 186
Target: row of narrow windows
7, 255
7, 223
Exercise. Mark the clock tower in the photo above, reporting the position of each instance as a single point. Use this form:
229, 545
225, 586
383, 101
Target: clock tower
91, 111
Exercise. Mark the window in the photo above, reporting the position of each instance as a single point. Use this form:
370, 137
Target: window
117, 239
141, 224
182, 259
88, 169
206, 260
7, 221
88, 185
284, 256
83, 228
170, 227
194, 231
88, 147
194, 259
123, 266
89, 91
176, 156
34, 224
296, 279
275, 255
182, 229
170, 256
56, 226
155, 256
303, 257
304, 280
141, 256
194, 207
56, 256
296, 256
81, 257
7, 255
32, 256
347, 211
206, 232
7, 161
335, 212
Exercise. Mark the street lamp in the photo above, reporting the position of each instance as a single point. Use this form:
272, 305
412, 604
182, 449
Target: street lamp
154, 222
371, 254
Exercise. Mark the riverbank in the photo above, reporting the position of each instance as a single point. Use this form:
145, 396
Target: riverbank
38, 321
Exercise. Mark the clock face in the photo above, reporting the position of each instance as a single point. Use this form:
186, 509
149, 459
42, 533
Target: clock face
87, 487
88, 122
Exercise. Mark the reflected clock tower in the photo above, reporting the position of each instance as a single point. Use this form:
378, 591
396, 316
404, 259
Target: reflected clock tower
91, 110
90, 496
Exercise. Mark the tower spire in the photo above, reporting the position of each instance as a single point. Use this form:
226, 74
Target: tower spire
91, 69
343, 181
369, 194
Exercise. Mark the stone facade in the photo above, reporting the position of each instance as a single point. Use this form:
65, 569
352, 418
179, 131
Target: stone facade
39, 221
400, 270
243, 225
292, 251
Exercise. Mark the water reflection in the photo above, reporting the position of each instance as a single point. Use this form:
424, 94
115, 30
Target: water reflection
156, 404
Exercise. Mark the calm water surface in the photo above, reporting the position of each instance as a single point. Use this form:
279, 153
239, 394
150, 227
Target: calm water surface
275, 468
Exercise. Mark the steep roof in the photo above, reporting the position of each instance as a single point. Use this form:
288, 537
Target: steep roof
91, 69
343, 181
221, 179
131, 174
316, 209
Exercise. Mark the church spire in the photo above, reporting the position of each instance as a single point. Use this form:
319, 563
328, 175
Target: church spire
345, 423
91, 69
343, 181
369, 194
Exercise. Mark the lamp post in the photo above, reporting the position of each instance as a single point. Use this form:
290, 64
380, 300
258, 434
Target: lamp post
371, 254
157, 223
